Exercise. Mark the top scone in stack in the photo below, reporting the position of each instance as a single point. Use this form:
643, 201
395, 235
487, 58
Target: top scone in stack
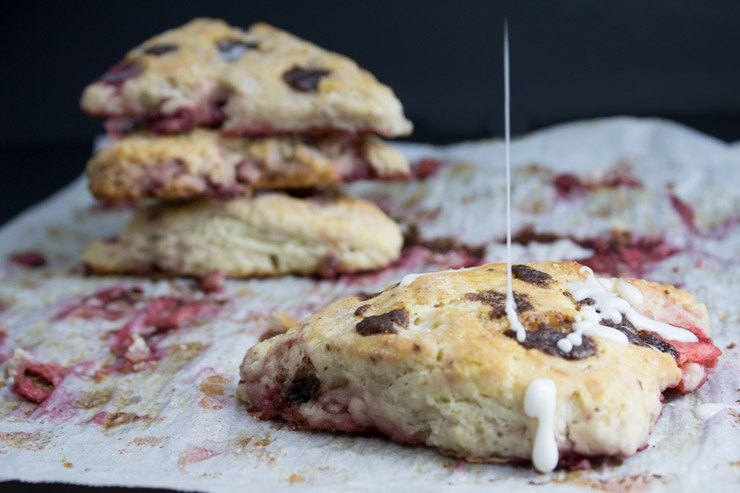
211, 121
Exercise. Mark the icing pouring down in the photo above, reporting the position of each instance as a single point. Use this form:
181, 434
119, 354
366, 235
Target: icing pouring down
539, 403
612, 300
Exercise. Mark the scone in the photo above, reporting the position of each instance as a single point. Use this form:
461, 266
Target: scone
204, 163
434, 360
254, 82
268, 235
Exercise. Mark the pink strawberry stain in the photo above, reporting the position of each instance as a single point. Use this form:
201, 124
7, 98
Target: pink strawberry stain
36, 381
31, 259
569, 185
625, 254
193, 454
685, 211
426, 168
109, 304
460, 466
135, 341
688, 218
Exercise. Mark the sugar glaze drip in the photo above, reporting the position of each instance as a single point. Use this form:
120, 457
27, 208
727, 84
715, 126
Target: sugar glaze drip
613, 299
706, 411
539, 402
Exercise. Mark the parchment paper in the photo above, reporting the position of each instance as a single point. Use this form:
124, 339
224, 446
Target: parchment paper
175, 422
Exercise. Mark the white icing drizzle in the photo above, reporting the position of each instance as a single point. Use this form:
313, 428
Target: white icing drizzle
706, 411
539, 402
612, 299
630, 293
510, 305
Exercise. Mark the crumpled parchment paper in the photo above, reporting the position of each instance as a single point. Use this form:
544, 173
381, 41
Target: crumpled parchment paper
173, 421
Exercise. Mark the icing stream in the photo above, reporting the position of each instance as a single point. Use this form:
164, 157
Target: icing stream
612, 300
510, 304
539, 402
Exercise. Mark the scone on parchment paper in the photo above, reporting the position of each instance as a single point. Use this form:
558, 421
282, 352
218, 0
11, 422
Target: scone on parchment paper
255, 82
434, 361
267, 235
204, 163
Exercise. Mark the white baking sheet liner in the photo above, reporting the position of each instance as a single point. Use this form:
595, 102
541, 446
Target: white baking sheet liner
176, 423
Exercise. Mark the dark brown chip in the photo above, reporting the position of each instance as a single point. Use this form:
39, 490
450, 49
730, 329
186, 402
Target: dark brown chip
303, 386
546, 340
530, 275
641, 337
121, 72
367, 296
579, 304
383, 324
232, 49
497, 302
160, 49
361, 309
303, 79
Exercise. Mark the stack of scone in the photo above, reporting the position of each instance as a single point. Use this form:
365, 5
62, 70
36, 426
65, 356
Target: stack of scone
236, 135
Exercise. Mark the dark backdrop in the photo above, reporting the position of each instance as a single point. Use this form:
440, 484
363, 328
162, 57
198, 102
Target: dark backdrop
571, 59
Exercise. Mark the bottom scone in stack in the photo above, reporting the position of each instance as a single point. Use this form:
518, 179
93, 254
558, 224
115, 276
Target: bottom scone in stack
312, 232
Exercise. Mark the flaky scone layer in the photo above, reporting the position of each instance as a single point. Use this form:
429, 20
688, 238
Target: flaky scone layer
204, 163
433, 361
253, 82
268, 235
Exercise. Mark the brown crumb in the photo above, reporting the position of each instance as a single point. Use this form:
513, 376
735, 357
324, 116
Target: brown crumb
296, 478
117, 419
97, 398
148, 441
285, 319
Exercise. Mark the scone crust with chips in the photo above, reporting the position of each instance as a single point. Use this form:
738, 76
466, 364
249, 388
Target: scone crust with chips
255, 82
204, 163
268, 235
432, 362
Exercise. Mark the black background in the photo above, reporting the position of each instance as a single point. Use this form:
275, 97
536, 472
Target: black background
571, 59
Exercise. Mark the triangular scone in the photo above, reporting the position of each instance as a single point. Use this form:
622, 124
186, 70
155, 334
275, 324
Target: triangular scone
434, 360
259, 81
204, 163
268, 235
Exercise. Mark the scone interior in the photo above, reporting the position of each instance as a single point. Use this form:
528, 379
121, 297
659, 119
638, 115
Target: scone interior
255, 82
433, 361
205, 163
267, 235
